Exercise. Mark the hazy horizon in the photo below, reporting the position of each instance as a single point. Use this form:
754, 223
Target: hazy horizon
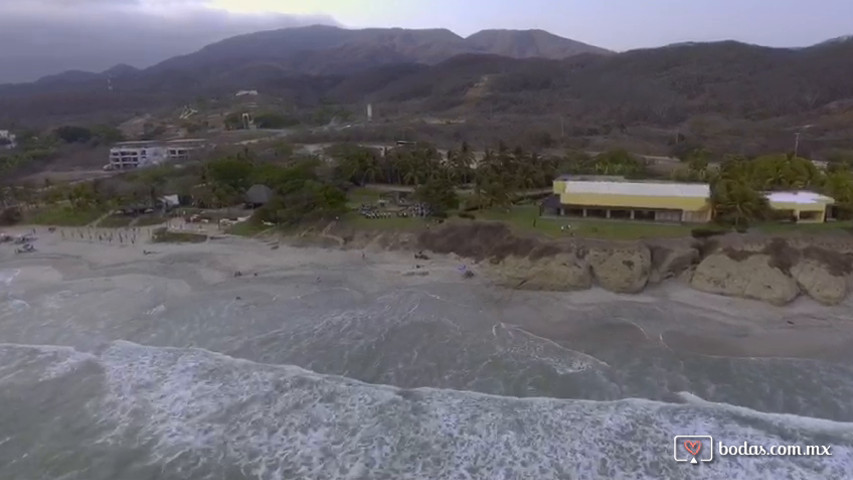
52, 36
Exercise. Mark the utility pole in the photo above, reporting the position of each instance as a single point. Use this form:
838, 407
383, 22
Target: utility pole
796, 144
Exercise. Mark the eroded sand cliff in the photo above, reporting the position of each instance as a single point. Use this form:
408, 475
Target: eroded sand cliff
774, 269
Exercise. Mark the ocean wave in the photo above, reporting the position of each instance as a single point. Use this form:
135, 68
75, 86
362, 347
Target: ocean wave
276, 421
843, 429
18, 362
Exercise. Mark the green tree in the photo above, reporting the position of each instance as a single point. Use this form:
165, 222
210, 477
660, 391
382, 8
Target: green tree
737, 203
73, 134
303, 201
233, 173
439, 194
105, 134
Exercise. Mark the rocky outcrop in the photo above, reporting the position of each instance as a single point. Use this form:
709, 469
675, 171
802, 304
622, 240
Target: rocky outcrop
778, 269
749, 277
562, 272
772, 269
520, 262
621, 269
818, 282
672, 260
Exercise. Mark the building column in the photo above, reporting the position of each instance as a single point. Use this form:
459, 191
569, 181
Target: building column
562, 211
584, 213
632, 214
607, 213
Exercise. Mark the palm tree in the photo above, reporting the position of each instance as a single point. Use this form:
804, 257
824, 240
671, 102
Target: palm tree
737, 202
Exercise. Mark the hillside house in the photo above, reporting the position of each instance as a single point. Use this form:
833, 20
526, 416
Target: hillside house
142, 154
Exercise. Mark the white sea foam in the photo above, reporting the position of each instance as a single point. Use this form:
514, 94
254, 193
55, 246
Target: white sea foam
844, 429
8, 276
52, 361
515, 342
18, 304
13, 307
286, 422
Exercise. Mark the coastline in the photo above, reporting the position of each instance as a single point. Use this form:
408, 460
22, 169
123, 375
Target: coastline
775, 269
704, 323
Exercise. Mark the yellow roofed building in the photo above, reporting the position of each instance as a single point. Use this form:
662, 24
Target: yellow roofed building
618, 198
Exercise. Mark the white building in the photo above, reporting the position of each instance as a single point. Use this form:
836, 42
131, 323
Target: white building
130, 155
7, 139
180, 150
802, 206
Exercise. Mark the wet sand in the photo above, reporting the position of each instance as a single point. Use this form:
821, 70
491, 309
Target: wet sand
689, 321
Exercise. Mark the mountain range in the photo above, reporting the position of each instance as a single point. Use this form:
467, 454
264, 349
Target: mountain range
435, 71
322, 49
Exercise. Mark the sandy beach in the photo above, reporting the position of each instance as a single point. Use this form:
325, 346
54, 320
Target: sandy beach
690, 321
238, 355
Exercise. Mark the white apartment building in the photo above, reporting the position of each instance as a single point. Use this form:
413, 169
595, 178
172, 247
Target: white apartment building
180, 150
9, 139
130, 155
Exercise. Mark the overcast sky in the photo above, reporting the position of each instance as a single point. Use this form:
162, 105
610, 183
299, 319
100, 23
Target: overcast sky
40, 37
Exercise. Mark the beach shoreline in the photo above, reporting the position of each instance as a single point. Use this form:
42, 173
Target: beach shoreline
706, 324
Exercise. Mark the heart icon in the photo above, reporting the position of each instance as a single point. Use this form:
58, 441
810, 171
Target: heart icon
693, 446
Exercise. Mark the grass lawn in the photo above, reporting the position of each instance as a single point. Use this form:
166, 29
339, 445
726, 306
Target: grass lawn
525, 218
148, 220
115, 221
522, 218
162, 235
810, 228
63, 216
359, 195
247, 228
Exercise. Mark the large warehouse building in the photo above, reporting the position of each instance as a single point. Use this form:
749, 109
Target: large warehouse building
670, 202
616, 198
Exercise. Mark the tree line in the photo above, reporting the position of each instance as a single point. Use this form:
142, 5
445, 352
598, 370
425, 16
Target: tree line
35, 147
311, 187
738, 183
